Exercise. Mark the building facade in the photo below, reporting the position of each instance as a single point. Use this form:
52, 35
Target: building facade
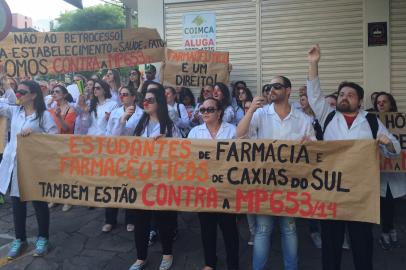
271, 37
21, 21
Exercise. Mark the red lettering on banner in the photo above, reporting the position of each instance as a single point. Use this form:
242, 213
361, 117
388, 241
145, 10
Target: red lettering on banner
167, 195
284, 202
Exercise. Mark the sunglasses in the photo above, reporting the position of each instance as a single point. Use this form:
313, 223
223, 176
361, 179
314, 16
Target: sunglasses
150, 100
55, 92
97, 87
124, 94
276, 86
22, 92
207, 110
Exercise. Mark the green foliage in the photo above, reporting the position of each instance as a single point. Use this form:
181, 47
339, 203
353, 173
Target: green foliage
98, 17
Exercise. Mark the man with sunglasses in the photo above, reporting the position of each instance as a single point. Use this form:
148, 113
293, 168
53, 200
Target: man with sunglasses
346, 122
279, 121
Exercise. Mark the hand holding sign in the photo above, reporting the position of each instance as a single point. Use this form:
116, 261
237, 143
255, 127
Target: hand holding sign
26, 132
384, 140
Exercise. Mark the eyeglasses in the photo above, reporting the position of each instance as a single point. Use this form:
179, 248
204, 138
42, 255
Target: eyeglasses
22, 92
207, 110
276, 86
133, 74
150, 100
55, 92
124, 94
97, 87
109, 74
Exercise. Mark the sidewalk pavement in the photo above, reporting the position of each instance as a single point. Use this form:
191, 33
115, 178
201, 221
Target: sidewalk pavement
77, 243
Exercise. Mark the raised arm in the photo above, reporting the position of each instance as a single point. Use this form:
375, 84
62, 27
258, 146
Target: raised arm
243, 127
316, 99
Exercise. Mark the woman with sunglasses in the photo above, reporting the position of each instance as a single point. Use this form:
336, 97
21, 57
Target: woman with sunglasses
116, 127
112, 77
214, 128
64, 116
30, 117
222, 94
243, 95
206, 92
155, 123
134, 79
100, 109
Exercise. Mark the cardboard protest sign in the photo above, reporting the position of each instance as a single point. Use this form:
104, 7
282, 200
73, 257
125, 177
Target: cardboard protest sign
195, 69
396, 124
31, 54
3, 133
322, 180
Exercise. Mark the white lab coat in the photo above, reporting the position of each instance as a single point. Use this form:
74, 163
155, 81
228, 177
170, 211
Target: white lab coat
19, 122
338, 129
97, 125
116, 128
397, 184
182, 121
266, 124
226, 131
229, 115
157, 131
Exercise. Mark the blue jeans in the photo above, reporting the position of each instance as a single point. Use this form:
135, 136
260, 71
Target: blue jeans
262, 242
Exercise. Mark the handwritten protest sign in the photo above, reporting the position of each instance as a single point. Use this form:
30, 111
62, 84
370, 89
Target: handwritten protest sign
322, 180
195, 68
396, 124
32, 54
3, 133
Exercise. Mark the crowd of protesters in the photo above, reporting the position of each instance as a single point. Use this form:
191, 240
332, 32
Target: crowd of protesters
143, 107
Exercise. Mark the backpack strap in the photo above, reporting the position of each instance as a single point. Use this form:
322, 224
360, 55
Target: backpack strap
373, 123
177, 105
371, 118
328, 120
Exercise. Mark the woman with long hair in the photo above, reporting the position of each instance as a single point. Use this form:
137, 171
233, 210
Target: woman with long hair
214, 128
116, 127
82, 108
243, 95
101, 106
31, 117
393, 185
188, 99
155, 123
134, 79
222, 94
206, 92
112, 77
64, 116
